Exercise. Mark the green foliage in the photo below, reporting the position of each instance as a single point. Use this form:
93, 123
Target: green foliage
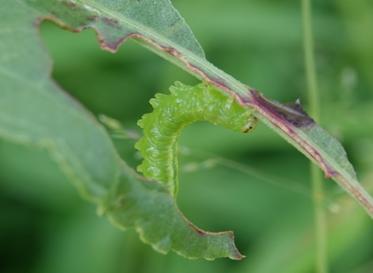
35, 112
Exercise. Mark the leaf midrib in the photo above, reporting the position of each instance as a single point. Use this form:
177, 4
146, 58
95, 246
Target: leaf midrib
206, 65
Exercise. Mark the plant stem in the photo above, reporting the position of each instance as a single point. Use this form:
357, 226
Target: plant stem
314, 104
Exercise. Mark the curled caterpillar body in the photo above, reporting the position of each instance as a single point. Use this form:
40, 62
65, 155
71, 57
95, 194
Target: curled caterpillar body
171, 113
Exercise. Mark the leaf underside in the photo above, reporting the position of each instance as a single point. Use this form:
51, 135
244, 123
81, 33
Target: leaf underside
35, 111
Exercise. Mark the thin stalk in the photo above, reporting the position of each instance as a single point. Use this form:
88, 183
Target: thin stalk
314, 104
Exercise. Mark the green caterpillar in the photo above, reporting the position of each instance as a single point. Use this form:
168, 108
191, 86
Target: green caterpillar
171, 113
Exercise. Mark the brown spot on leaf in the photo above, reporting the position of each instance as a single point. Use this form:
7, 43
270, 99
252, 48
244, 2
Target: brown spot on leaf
287, 118
292, 113
111, 22
199, 231
170, 50
92, 17
112, 46
220, 83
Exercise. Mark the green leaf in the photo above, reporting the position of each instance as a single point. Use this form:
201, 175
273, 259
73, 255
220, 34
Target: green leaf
34, 111
116, 20
291, 122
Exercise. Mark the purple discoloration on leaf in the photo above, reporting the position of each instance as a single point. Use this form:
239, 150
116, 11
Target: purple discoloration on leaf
220, 83
198, 230
111, 22
291, 120
111, 46
292, 113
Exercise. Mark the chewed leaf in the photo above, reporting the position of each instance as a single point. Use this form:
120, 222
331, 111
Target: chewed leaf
151, 209
35, 111
178, 45
116, 20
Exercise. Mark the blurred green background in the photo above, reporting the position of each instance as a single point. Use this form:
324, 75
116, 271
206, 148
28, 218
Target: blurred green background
256, 185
